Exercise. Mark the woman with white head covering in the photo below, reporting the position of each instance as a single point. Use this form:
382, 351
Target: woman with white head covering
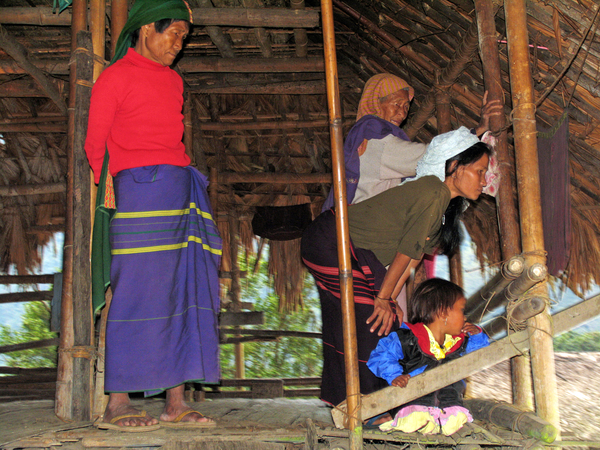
395, 228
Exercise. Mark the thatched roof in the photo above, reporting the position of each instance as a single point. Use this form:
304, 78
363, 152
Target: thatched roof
259, 108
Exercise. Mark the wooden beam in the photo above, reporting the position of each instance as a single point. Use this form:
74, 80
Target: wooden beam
234, 17
27, 279
36, 296
274, 125
32, 189
26, 88
291, 88
21, 55
274, 178
501, 350
462, 56
54, 127
28, 345
194, 65
251, 65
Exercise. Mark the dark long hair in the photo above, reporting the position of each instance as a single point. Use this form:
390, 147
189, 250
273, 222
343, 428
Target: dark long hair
431, 298
450, 236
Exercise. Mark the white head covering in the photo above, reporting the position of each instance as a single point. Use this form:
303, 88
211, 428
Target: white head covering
442, 148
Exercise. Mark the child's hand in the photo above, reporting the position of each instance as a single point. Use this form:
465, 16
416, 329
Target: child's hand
469, 328
401, 381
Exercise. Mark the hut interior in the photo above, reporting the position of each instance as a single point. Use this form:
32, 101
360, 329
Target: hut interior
257, 120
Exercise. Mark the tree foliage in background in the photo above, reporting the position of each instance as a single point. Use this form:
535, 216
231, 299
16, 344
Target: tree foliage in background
36, 327
287, 357
572, 341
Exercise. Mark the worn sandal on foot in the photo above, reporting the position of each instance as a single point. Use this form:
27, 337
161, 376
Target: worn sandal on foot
177, 423
101, 425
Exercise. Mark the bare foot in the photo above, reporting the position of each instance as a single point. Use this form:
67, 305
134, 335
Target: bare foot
175, 407
119, 405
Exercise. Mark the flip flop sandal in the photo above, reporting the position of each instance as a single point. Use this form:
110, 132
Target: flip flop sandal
101, 425
177, 423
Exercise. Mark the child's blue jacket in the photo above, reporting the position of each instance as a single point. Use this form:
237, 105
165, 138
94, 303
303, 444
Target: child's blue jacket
388, 358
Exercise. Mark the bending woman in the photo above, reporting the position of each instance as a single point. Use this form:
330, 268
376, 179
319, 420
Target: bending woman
395, 228
378, 154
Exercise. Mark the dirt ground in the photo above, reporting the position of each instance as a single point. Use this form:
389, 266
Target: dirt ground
578, 378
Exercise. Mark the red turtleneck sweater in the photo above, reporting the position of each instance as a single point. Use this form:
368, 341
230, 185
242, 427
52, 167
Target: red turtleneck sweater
136, 111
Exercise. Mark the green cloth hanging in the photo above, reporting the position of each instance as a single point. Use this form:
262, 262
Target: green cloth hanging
101, 258
62, 5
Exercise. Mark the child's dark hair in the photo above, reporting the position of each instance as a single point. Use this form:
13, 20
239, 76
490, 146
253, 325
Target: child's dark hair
450, 233
433, 297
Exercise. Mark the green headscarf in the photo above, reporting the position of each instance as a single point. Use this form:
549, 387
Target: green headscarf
144, 12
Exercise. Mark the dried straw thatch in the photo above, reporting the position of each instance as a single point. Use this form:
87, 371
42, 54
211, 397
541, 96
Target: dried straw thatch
259, 111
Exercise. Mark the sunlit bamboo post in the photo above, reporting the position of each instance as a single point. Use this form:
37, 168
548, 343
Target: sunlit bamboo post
64, 388
505, 202
542, 352
343, 233
118, 19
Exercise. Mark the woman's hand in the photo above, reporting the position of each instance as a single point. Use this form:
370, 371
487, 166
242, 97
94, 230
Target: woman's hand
401, 381
383, 315
488, 109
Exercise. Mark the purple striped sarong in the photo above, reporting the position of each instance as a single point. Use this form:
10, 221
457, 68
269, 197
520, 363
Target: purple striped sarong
319, 254
162, 324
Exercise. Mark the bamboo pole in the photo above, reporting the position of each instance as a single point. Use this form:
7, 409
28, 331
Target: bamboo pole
118, 18
63, 405
234, 292
300, 37
532, 236
505, 200
354, 423
446, 79
27, 279
28, 88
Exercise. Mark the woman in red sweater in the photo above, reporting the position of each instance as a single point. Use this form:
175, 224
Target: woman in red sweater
165, 247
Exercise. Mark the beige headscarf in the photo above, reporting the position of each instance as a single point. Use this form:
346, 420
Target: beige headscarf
377, 87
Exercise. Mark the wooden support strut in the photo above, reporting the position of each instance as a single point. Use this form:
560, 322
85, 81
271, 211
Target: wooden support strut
532, 236
353, 418
481, 300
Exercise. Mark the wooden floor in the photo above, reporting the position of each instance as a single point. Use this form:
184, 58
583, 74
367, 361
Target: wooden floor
269, 424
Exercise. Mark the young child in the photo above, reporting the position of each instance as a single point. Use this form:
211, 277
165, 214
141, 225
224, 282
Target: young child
436, 333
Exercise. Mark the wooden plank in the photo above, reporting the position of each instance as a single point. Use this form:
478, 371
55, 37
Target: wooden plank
274, 178
37, 296
230, 319
27, 279
235, 17
28, 345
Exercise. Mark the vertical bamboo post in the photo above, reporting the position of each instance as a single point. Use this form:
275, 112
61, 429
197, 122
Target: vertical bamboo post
64, 388
343, 232
118, 18
234, 291
505, 201
542, 352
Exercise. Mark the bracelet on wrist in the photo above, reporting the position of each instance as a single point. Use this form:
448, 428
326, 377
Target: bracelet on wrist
384, 299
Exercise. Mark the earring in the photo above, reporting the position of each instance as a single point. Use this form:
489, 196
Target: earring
446, 321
